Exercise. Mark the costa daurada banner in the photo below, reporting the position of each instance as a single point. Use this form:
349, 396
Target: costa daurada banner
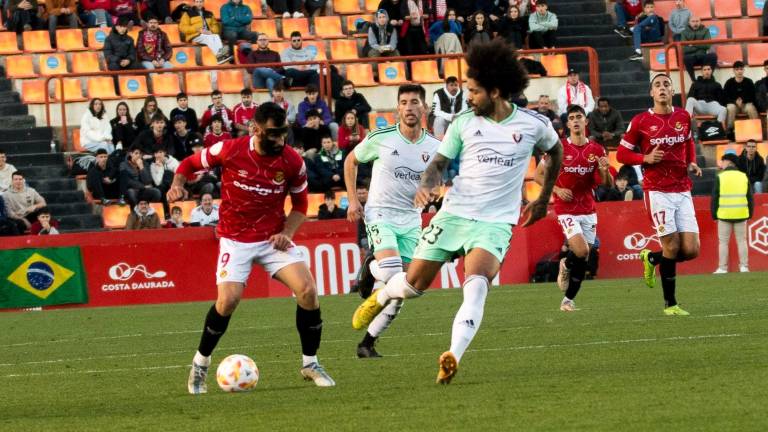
41, 277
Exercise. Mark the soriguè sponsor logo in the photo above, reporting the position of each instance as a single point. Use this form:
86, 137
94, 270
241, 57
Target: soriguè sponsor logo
493, 157
405, 173
669, 140
258, 189
581, 170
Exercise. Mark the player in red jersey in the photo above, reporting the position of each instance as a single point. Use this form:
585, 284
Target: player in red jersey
585, 166
667, 154
258, 172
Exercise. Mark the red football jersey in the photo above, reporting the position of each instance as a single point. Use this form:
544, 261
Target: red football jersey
672, 133
243, 114
253, 187
211, 138
581, 174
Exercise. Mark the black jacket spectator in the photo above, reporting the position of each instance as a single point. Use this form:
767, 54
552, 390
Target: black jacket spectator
708, 90
147, 141
514, 31
744, 90
356, 102
336, 213
754, 169
761, 94
123, 133
190, 115
7, 226
182, 145
119, 47
610, 122
95, 181
309, 138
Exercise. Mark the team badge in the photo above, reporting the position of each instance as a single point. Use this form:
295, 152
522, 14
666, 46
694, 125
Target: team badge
223, 274
660, 228
591, 158
425, 157
517, 137
279, 178
678, 126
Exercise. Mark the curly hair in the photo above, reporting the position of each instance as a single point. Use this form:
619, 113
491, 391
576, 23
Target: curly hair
494, 65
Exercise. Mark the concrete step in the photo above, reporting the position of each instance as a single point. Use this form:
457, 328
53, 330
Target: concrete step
614, 65
80, 222
17, 122
53, 184
25, 134
5, 84
622, 102
623, 77
583, 19
577, 8
70, 208
62, 197
9, 97
628, 89
16, 148
13, 109
597, 41
33, 159
585, 30
45, 171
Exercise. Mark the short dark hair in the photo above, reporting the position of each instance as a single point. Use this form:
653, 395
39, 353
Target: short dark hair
101, 151
123, 21
575, 108
181, 95
2, 151
311, 88
157, 117
133, 148
312, 113
738, 64
279, 86
326, 136
603, 99
44, 210
494, 64
149, 17
412, 88
542, 2
159, 149
329, 195
267, 111
17, 173
217, 118
451, 80
215, 93
751, 141
363, 183
175, 208
204, 194
295, 33
647, 2
346, 83
658, 75
246, 92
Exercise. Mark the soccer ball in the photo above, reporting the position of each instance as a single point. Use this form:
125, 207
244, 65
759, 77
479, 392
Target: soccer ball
237, 373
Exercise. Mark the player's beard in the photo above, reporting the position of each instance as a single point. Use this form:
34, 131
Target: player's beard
270, 147
484, 110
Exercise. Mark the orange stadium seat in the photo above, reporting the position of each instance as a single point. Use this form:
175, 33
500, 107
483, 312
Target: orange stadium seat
19, 66
529, 173
214, 6
102, 87
207, 57
255, 6
381, 119
372, 6
114, 216
96, 38
352, 20
659, 59
716, 29
344, 49
8, 44
70, 40
346, 7
757, 53
614, 160
727, 8
328, 27
748, 129
231, 81
198, 83
451, 68
85, 62
700, 8
172, 30
425, 71
755, 8
296, 24
744, 28
361, 74
37, 41
729, 54
133, 86
720, 150
556, 65
392, 73
165, 84
184, 57
134, 33
279, 46
53, 64
33, 91
76, 145
73, 90
664, 9
266, 26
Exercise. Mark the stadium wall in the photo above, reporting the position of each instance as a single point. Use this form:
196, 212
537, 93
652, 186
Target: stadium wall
167, 266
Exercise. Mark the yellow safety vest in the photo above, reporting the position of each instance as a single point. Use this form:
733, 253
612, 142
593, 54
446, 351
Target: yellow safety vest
733, 204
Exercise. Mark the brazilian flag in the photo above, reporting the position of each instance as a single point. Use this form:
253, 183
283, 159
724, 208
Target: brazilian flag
41, 277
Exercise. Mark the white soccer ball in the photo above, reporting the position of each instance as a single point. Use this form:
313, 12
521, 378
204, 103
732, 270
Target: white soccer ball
237, 373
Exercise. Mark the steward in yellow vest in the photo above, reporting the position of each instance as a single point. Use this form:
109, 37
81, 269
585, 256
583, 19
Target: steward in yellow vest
732, 194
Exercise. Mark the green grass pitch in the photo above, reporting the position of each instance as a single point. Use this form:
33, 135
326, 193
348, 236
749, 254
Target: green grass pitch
617, 364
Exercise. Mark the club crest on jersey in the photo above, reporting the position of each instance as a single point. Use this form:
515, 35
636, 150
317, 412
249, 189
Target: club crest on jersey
517, 137
425, 157
678, 126
242, 173
591, 158
279, 178
223, 274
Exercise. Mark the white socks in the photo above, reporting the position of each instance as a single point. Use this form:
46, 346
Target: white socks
384, 269
397, 288
201, 360
307, 360
470, 314
385, 318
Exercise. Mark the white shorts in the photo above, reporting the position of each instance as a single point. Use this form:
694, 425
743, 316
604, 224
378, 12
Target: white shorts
586, 225
671, 212
236, 259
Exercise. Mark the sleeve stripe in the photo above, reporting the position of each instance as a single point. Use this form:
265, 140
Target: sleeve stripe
299, 188
204, 159
627, 144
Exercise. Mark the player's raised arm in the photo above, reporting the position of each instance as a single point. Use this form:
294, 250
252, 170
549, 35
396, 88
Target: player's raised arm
431, 181
209, 157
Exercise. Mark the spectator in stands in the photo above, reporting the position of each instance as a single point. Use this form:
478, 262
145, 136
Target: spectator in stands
95, 130
633, 174
124, 130
739, 92
478, 29
160, 176
200, 26
697, 55
330, 163
544, 107
309, 137
620, 190
22, 202
447, 102
542, 26
266, 77
678, 20
445, 35
242, 112
464, 9
414, 31
142, 217
181, 137
144, 118
23, 15
752, 163
119, 51
732, 204
649, 28
278, 97
101, 180
45, 224
761, 90
205, 214
705, 97
216, 133
154, 138
217, 107
626, 10
286, 8
176, 220
8, 226
313, 102
94, 13
351, 132
57, 11
127, 9
132, 184
236, 22
382, 37
158, 8
397, 10
328, 209
314, 7
514, 27
182, 102
204, 181
605, 124
6, 170
350, 100
301, 75
574, 92
153, 46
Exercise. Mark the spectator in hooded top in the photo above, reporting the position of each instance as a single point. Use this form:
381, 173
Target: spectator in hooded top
200, 26
95, 130
301, 75
266, 76
119, 51
57, 12
350, 100
697, 55
761, 90
513, 27
6, 170
95, 13
143, 216
144, 117
626, 10
22, 202
705, 97
328, 209
752, 164
153, 46
236, 22
678, 19
739, 92
445, 35
605, 124
382, 37
124, 131
217, 107
330, 164
351, 132
101, 180
181, 136
313, 102
23, 15
45, 224
542, 27
182, 108
649, 28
